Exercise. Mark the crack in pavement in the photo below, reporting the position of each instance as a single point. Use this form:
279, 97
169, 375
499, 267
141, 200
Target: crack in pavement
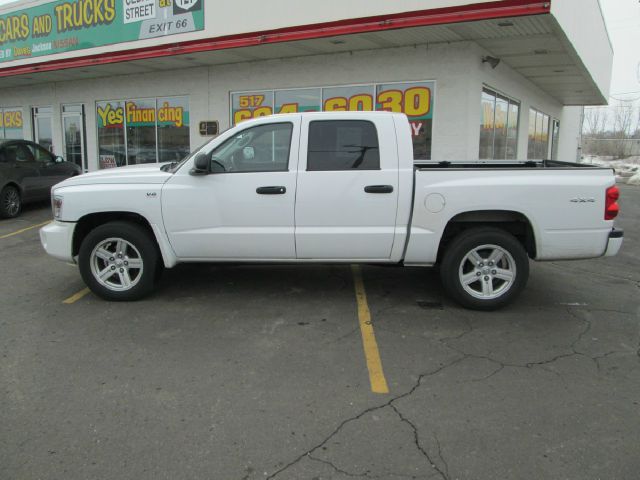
416, 437
363, 413
337, 470
502, 364
446, 464
367, 474
463, 355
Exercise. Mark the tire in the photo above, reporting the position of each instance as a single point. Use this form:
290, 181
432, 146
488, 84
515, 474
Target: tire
484, 268
10, 202
133, 274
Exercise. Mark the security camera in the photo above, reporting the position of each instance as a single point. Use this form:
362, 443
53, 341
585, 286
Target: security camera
493, 61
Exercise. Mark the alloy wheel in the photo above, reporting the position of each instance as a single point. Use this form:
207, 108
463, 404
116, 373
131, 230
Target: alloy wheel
116, 264
487, 272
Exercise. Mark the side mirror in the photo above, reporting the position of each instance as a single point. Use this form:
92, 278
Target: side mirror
201, 165
58, 159
248, 153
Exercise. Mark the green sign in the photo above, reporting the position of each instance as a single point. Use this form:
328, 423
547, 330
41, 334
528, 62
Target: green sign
69, 25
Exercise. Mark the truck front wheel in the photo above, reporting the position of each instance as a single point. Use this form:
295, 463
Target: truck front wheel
484, 268
119, 261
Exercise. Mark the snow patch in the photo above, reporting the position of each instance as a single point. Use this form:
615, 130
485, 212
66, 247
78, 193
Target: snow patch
635, 180
627, 170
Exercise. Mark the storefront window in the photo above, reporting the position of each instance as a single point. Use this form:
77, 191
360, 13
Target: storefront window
498, 126
538, 135
512, 131
299, 100
555, 138
251, 105
11, 124
142, 131
531, 146
140, 116
111, 145
173, 128
415, 99
356, 98
487, 125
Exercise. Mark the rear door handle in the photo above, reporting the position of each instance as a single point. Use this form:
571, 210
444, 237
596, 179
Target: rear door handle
271, 190
378, 189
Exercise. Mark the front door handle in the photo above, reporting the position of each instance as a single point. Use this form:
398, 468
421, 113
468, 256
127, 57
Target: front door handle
271, 190
378, 189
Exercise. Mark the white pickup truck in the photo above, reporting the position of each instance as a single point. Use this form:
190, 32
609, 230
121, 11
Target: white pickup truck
332, 188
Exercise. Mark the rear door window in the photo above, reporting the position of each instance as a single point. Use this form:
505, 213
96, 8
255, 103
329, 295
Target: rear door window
18, 153
343, 145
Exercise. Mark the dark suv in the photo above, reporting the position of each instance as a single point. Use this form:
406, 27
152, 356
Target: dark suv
27, 173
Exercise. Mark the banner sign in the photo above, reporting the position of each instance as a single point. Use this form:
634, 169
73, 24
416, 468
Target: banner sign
166, 112
414, 99
68, 25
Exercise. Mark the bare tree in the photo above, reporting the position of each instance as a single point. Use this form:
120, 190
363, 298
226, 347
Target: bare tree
623, 119
595, 120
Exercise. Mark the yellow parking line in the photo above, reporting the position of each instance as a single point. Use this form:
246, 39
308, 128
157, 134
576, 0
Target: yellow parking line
17, 232
371, 353
74, 298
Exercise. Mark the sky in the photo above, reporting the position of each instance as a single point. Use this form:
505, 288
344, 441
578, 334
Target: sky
622, 18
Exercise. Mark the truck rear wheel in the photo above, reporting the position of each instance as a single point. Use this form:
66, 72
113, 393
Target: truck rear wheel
484, 268
119, 261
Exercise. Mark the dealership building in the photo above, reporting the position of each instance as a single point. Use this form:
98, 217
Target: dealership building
107, 83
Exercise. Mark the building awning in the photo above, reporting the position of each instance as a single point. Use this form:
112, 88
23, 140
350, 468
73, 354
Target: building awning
535, 39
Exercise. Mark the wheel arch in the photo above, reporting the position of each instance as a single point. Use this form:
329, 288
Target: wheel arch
90, 221
12, 183
516, 223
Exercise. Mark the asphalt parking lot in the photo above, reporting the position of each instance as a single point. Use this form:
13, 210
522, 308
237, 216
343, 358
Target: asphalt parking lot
254, 372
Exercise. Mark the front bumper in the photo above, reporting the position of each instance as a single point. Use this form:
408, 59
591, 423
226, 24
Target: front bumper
57, 240
615, 242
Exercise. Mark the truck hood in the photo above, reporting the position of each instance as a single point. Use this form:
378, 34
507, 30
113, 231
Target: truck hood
146, 174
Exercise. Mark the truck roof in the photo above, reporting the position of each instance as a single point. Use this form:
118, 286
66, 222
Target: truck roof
351, 114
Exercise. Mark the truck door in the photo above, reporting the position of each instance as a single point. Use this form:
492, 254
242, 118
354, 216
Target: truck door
243, 209
347, 195
51, 172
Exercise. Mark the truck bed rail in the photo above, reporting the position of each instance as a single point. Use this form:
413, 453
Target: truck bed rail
498, 164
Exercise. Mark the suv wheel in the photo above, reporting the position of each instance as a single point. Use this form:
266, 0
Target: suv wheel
119, 261
484, 268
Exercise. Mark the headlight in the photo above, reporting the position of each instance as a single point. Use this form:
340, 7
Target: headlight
56, 206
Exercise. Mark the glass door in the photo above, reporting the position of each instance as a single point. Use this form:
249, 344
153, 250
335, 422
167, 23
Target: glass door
43, 127
74, 134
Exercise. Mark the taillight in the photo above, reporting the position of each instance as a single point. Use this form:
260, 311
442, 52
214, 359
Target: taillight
611, 207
